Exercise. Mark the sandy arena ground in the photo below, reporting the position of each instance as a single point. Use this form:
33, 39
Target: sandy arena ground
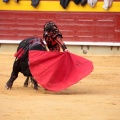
96, 97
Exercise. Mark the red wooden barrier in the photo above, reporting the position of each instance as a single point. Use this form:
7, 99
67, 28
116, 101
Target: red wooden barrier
83, 27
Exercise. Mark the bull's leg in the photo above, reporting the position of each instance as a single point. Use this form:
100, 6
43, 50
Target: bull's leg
14, 74
35, 83
26, 81
11, 80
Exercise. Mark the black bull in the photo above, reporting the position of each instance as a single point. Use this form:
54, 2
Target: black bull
21, 62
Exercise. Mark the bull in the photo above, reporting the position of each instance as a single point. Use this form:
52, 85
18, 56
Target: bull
21, 62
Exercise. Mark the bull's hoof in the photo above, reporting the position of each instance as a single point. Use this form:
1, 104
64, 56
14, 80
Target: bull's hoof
36, 87
8, 85
25, 85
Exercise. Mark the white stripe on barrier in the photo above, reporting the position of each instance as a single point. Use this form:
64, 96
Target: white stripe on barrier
70, 43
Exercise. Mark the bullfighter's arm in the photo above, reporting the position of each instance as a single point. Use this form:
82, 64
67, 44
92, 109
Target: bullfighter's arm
61, 43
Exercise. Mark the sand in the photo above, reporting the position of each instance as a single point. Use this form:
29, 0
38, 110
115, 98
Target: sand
96, 97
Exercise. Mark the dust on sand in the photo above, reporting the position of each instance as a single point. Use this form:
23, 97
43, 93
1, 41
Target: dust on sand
96, 97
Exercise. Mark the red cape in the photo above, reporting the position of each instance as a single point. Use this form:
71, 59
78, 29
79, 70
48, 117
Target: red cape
57, 71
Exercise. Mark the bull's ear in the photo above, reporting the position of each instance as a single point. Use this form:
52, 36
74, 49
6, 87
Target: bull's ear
64, 3
35, 3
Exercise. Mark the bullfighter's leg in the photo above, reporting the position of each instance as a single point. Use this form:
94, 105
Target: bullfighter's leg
14, 74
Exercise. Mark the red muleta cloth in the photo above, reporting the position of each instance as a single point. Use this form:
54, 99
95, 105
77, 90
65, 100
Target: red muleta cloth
56, 71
